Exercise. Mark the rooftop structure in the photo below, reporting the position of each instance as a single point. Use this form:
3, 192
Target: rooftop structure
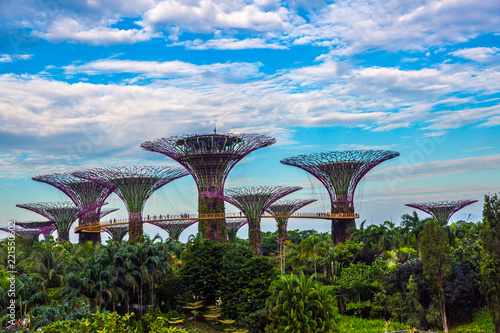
340, 172
253, 202
83, 193
209, 158
62, 214
174, 228
232, 226
441, 210
134, 185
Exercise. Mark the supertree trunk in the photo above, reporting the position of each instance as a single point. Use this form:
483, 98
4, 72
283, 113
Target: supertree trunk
254, 235
213, 229
135, 226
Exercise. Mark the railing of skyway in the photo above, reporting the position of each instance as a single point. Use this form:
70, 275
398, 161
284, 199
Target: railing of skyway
188, 216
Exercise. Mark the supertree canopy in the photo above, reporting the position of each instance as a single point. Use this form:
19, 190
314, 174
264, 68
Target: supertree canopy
174, 228
441, 210
134, 185
83, 193
340, 172
46, 227
25, 233
209, 158
117, 232
233, 225
285, 208
254, 201
62, 214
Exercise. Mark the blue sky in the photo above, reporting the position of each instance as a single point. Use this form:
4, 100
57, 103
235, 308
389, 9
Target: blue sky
84, 83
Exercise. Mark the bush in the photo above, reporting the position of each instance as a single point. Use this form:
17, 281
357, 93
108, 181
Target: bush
300, 304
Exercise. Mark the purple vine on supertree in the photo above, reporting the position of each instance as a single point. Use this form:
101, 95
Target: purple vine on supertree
254, 201
442, 210
117, 232
209, 158
134, 185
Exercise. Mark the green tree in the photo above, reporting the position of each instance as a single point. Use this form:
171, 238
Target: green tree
436, 260
244, 287
311, 248
490, 261
300, 304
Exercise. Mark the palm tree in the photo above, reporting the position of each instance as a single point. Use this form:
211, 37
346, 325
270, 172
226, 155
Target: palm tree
49, 266
413, 226
311, 247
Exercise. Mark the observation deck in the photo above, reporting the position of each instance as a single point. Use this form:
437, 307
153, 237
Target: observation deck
98, 226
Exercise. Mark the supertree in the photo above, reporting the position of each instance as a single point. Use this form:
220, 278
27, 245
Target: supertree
441, 210
232, 226
340, 172
254, 201
209, 158
47, 227
62, 214
117, 232
83, 193
134, 185
285, 208
174, 228
25, 233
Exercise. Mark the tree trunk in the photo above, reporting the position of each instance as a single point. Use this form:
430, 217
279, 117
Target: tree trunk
443, 313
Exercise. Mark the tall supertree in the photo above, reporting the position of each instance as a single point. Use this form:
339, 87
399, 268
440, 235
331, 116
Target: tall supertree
233, 225
209, 158
117, 232
134, 185
282, 209
174, 228
340, 172
254, 201
62, 214
83, 193
441, 210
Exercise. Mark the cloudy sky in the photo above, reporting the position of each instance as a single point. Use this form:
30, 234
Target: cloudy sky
83, 83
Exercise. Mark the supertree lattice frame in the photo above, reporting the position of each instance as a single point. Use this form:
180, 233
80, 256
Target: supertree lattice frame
83, 193
117, 232
62, 214
174, 228
233, 225
25, 233
286, 207
47, 227
340, 172
134, 185
209, 158
254, 201
441, 210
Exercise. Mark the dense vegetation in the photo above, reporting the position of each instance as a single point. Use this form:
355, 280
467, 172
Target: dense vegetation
386, 277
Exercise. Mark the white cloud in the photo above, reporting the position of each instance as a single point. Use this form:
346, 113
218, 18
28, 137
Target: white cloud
14, 57
207, 16
71, 30
166, 69
479, 54
229, 44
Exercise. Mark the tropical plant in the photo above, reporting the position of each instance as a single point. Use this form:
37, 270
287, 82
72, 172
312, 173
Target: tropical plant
300, 304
